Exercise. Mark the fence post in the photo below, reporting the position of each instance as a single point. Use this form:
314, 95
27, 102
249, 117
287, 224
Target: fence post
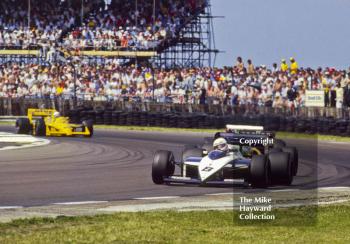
1, 106
9, 106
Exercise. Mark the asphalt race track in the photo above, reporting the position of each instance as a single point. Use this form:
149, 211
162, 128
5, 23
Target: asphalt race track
116, 165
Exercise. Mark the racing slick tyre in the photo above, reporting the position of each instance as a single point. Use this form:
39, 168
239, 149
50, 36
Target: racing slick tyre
294, 158
260, 171
193, 152
23, 126
281, 168
163, 166
88, 124
279, 143
40, 127
275, 150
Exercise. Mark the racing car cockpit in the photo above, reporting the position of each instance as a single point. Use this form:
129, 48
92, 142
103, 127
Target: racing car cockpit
248, 140
217, 154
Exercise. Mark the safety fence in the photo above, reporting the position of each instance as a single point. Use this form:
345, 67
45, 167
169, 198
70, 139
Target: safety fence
19, 106
306, 120
273, 122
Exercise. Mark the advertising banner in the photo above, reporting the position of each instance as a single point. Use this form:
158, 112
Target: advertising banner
314, 98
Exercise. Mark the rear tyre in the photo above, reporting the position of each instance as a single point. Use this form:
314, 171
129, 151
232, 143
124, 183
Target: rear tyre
23, 126
279, 143
281, 168
88, 124
40, 127
260, 171
163, 166
275, 150
294, 158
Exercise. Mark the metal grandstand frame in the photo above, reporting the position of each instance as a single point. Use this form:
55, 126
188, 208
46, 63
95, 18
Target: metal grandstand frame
193, 46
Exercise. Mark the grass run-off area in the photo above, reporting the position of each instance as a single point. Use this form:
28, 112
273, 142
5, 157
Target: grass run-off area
281, 135
292, 225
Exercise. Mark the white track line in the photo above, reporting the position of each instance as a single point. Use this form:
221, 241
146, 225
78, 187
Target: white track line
334, 188
338, 142
9, 207
155, 198
332, 202
223, 194
79, 203
16, 138
282, 190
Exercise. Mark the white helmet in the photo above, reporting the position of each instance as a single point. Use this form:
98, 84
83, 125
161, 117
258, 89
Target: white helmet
56, 114
220, 144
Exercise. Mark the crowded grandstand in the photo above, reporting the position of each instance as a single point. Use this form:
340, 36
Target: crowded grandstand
237, 85
59, 29
93, 24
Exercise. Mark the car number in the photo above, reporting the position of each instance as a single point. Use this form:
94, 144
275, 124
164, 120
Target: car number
207, 169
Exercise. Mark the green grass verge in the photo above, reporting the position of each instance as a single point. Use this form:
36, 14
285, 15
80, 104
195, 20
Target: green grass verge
283, 135
7, 123
332, 226
286, 135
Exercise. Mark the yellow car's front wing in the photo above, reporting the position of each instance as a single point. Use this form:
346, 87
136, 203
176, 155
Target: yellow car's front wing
66, 130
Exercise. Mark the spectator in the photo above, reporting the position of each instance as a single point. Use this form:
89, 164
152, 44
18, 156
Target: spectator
250, 68
278, 102
293, 66
339, 96
274, 68
284, 66
347, 92
239, 65
291, 95
202, 99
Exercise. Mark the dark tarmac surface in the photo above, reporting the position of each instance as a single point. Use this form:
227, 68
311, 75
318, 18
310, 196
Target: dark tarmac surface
116, 165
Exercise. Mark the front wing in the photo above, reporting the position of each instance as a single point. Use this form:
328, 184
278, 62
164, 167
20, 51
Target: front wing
66, 130
193, 181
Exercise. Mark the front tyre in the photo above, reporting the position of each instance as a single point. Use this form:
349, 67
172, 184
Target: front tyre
260, 171
23, 126
294, 158
40, 127
281, 168
163, 166
88, 124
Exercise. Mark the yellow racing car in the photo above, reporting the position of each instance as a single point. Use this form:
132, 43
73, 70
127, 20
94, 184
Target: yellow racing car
48, 122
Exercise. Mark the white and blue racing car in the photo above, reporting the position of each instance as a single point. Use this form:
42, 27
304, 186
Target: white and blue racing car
239, 156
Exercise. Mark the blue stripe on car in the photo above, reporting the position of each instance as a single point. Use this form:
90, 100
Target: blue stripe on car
193, 159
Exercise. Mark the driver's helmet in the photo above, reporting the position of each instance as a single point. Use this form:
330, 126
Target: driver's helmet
221, 145
56, 114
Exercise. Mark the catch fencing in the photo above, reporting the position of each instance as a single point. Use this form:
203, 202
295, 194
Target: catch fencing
19, 106
329, 121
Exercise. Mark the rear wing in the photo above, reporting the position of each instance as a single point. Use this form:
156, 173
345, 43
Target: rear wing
33, 112
238, 128
248, 130
262, 139
246, 134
